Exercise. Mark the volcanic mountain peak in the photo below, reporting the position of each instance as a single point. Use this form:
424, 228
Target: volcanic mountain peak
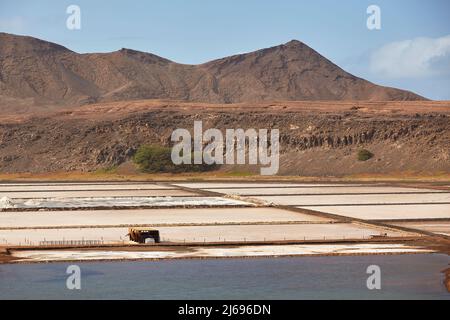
295, 44
143, 56
38, 72
26, 44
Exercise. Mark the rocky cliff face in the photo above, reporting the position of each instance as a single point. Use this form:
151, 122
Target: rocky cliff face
315, 140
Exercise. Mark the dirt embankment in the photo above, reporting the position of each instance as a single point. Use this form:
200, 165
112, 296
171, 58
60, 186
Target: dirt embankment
317, 138
5, 256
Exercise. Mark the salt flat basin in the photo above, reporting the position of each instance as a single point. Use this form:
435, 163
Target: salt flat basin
96, 193
274, 232
210, 233
104, 202
321, 190
210, 252
219, 185
439, 227
151, 216
361, 199
78, 186
388, 212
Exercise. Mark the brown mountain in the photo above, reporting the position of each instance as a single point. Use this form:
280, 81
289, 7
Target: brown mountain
36, 72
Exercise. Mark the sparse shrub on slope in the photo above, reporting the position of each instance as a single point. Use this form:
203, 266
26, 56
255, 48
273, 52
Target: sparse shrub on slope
364, 155
153, 159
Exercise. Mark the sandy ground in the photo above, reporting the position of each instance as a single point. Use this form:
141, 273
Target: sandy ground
95, 193
362, 199
389, 212
211, 252
151, 217
439, 227
321, 190
204, 233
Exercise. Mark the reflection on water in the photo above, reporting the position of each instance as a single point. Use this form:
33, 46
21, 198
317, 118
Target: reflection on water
416, 276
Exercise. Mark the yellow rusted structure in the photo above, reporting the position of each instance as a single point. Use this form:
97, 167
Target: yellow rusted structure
143, 235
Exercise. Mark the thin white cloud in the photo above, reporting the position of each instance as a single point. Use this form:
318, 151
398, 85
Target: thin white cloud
417, 58
13, 24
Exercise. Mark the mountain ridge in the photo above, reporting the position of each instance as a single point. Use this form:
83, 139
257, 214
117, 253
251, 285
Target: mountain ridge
38, 72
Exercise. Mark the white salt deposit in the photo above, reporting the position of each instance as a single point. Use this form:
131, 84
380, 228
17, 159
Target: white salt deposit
237, 252
119, 202
6, 203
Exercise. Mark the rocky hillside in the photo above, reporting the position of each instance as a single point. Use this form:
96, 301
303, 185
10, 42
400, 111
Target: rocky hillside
317, 139
34, 72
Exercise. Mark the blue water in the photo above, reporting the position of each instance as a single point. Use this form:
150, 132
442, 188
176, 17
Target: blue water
402, 277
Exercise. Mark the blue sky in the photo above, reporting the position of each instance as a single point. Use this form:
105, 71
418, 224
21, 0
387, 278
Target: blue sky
411, 51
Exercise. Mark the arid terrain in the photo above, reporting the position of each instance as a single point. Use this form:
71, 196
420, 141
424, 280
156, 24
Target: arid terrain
62, 111
208, 151
40, 75
317, 138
